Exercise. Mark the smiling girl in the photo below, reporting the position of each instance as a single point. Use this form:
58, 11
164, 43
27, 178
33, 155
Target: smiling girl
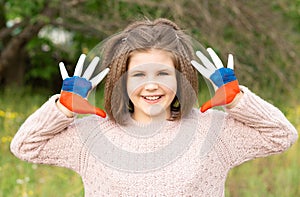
153, 142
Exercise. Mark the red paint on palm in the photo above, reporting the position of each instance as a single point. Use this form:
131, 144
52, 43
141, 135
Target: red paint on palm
77, 104
224, 95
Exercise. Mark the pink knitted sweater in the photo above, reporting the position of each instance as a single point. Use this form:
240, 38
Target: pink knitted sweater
190, 157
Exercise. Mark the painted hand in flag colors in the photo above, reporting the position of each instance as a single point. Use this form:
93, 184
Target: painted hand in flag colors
76, 89
222, 78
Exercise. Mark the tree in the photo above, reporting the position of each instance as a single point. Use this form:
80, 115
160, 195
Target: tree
13, 54
27, 19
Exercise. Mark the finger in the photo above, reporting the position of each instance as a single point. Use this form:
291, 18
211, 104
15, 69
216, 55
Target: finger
230, 63
96, 80
207, 63
205, 72
79, 65
218, 63
63, 71
90, 69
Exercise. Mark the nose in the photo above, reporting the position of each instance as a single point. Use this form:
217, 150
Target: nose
151, 85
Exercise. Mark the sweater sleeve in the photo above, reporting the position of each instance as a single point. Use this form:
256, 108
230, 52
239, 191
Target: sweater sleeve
48, 137
254, 128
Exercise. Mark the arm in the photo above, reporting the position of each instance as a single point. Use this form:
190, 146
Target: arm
254, 128
47, 137
251, 127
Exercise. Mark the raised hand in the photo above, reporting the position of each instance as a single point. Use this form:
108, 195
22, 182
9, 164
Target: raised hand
222, 78
76, 89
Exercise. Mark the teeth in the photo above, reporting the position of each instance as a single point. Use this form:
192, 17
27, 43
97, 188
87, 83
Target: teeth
152, 97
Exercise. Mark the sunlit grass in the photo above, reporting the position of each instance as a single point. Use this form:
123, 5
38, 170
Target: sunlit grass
277, 175
19, 178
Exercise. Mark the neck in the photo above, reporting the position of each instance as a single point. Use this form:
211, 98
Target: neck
146, 119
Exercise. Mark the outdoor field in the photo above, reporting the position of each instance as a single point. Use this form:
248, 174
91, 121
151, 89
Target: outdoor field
275, 176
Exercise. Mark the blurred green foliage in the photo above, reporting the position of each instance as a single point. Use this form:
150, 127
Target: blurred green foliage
262, 35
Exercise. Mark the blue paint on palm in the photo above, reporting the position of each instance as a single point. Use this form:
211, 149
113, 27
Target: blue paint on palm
77, 85
223, 76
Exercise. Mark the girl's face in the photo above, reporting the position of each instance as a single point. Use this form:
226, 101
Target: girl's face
151, 84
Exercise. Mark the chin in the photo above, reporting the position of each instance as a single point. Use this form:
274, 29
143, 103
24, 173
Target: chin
156, 112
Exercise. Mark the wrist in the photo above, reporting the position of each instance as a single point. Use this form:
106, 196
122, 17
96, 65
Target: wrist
64, 110
235, 101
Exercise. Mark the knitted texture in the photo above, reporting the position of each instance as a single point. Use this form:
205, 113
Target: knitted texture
190, 157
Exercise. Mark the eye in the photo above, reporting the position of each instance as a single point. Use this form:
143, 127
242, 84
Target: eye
138, 75
162, 73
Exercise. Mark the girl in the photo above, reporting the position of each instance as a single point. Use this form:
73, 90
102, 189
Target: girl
153, 142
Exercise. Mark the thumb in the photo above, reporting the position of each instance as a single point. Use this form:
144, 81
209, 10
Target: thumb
224, 95
100, 112
77, 104
206, 106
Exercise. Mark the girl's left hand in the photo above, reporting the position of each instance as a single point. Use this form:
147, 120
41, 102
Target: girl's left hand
222, 78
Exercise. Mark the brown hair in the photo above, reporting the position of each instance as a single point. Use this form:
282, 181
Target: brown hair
142, 36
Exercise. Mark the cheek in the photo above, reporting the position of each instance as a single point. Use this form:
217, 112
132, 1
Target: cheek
133, 86
170, 84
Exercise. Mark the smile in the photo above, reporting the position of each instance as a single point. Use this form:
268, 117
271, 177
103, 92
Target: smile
152, 99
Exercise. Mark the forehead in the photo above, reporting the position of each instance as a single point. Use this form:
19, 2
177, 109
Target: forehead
152, 56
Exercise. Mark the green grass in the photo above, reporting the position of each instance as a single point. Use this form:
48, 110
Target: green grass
19, 178
277, 175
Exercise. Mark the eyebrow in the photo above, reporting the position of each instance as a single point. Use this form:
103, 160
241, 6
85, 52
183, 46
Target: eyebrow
132, 71
164, 68
135, 71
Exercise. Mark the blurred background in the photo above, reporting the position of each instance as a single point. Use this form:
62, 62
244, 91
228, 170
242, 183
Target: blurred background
263, 36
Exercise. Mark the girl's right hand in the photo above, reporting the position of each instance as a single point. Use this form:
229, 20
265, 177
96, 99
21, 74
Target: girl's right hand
76, 89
